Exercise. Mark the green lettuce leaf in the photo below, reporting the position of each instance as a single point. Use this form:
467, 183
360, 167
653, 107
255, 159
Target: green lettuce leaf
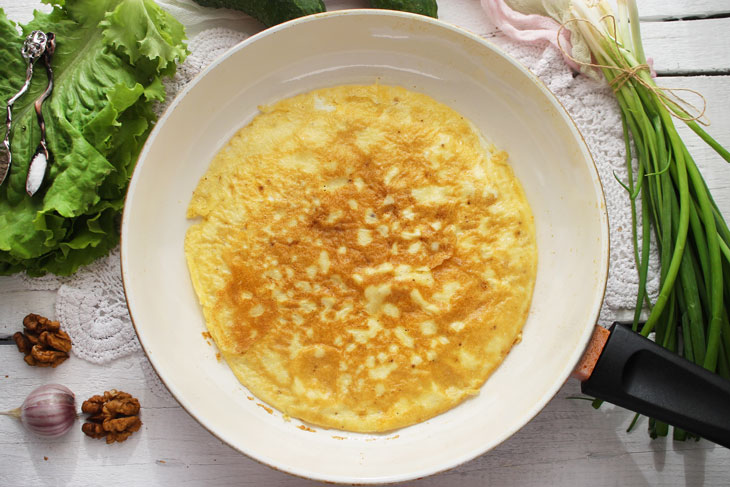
110, 58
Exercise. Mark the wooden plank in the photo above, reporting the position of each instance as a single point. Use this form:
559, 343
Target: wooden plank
698, 46
84, 378
21, 11
678, 9
688, 47
649, 10
716, 90
17, 301
568, 443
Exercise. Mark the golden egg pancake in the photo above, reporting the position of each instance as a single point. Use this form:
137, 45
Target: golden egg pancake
363, 260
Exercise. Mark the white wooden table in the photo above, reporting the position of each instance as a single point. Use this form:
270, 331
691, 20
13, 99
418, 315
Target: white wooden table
568, 443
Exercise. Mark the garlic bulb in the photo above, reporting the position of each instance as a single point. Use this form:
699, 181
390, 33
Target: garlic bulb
49, 410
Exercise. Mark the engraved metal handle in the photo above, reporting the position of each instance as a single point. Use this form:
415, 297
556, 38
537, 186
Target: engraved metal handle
33, 48
39, 162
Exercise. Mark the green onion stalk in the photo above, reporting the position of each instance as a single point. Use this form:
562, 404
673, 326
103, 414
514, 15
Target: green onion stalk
668, 197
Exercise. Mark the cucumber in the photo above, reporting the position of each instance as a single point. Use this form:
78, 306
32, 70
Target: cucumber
269, 12
423, 7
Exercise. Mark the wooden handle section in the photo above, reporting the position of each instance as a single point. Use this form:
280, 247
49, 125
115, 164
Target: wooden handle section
585, 367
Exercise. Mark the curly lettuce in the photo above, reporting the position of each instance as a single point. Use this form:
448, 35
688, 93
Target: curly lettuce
110, 58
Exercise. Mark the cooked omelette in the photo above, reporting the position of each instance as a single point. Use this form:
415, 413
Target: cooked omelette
364, 260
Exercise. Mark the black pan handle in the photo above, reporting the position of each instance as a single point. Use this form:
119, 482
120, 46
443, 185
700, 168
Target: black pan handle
636, 373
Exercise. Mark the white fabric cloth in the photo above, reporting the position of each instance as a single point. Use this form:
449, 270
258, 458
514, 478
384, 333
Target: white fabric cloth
91, 306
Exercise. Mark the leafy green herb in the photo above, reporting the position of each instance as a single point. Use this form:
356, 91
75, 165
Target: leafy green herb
270, 12
110, 59
669, 196
423, 7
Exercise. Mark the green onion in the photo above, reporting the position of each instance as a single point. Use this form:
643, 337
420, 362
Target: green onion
668, 197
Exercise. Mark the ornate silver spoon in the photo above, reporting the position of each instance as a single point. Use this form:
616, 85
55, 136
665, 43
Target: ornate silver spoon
33, 48
39, 162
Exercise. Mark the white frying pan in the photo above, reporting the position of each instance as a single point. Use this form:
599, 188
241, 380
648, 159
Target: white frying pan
511, 107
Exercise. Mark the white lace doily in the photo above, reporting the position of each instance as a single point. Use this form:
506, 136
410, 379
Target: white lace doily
92, 309
91, 305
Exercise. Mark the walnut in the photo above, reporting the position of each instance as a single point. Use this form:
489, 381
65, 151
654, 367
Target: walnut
42, 342
114, 416
95, 430
24, 345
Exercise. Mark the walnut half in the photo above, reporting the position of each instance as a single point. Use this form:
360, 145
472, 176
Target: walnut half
114, 416
42, 342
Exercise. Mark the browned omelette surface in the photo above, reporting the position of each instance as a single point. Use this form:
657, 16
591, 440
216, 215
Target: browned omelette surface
363, 260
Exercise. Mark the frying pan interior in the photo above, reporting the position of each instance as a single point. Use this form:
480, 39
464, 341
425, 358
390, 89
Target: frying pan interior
510, 107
